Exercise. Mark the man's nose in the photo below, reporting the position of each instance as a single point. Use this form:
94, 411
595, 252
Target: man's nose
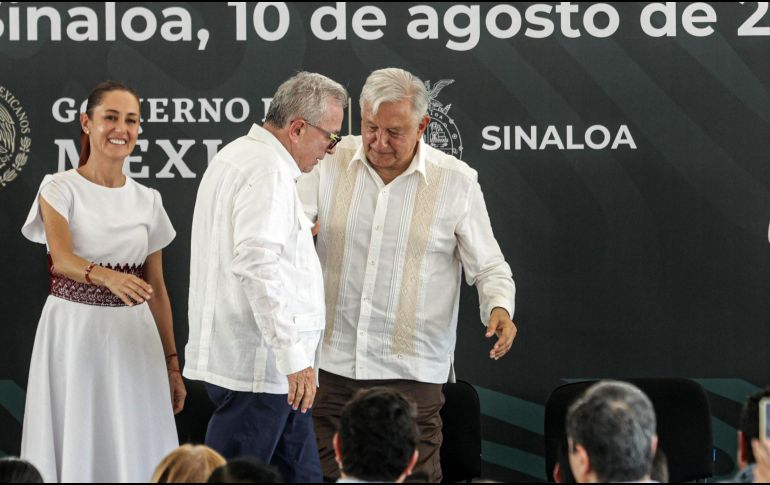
381, 139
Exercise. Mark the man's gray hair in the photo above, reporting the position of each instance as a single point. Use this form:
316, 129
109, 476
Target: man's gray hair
391, 85
305, 95
615, 423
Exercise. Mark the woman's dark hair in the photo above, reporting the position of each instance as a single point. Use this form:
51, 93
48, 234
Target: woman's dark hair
94, 100
16, 470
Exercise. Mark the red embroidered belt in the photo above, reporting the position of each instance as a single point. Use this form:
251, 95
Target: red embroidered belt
69, 289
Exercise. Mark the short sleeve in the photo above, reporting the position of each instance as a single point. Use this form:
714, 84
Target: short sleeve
59, 196
161, 230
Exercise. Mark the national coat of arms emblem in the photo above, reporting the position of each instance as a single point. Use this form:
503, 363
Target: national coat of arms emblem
442, 132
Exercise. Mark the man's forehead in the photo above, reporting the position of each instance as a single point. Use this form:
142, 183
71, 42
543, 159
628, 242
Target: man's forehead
389, 113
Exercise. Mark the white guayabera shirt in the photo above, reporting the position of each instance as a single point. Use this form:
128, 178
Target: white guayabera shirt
256, 306
393, 257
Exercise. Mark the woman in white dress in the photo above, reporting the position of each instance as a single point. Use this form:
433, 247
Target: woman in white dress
101, 397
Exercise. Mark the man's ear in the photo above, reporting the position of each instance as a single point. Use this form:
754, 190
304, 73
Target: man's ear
409, 467
424, 122
412, 462
337, 449
580, 463
295, 129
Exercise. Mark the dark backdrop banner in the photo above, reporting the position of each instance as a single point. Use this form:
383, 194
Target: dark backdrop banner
622, 150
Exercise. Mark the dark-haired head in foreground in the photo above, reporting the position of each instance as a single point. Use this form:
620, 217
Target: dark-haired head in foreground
377, 439
16, 470
748, 429
246, 470
611, 434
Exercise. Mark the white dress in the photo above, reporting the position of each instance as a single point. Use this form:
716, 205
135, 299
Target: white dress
98, 405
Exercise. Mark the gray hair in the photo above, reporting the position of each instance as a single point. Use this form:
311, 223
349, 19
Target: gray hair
615, 423
305, 95
391, 85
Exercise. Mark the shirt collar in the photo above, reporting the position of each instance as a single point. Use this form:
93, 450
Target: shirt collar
417, 164
260, 134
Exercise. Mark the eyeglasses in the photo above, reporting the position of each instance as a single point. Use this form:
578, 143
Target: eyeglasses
334, 138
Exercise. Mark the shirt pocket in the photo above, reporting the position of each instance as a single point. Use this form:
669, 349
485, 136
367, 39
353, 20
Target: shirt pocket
305, 249
308, 298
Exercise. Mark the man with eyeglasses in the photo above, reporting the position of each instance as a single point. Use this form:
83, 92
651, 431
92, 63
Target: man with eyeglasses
332, 137
256, 305
399, 223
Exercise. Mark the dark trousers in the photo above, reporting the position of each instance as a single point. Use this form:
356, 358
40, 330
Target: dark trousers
264, 426
335, 391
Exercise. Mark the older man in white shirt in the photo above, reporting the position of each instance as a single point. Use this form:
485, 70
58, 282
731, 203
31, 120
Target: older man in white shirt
399, 223
256, 306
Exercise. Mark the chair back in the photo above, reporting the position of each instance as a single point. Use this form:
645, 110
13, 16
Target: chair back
683, 419
461, 445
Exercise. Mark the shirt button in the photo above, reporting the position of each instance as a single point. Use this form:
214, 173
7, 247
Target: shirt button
371, 263
400, 356
377, 228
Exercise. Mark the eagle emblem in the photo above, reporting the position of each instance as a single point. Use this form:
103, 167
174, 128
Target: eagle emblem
442, 132
7, 135
15, 139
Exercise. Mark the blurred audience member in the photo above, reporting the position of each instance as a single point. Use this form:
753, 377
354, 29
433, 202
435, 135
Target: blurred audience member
188, 464
377, 439
16, 470
761, 450
748, 430
246, 470
611, 434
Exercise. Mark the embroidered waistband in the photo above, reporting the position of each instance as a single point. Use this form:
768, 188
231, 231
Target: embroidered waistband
71, 290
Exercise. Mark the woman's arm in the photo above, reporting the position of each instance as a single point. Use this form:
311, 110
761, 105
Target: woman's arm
160, 306
127, 287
